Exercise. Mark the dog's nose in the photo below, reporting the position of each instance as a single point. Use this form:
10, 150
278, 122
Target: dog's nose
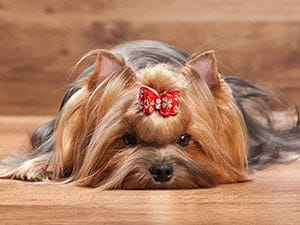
161, 172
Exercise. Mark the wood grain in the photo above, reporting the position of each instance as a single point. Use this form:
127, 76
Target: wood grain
40, 41
272, 197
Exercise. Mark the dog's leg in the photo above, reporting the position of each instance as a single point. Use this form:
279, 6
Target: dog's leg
34, 169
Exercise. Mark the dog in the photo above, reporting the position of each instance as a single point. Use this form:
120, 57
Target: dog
147, 115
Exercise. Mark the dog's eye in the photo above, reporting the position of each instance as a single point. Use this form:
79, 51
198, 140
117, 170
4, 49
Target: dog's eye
184, 140
129, 139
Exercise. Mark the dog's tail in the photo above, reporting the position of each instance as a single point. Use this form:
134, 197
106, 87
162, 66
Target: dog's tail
32, 166
272, 124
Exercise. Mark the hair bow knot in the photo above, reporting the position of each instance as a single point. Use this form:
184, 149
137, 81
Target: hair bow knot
167, 103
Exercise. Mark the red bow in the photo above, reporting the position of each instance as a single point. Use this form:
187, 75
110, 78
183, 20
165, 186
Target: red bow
167, 103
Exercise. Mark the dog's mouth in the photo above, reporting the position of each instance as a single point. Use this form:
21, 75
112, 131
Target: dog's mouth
158, 177
150, 182
154, 169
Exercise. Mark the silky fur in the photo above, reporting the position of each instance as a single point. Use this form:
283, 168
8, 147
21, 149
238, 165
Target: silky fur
88, 149
88, 139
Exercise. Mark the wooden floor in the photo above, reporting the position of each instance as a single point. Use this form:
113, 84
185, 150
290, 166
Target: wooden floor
273, 197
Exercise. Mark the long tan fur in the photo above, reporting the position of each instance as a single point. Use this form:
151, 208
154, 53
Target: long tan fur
88, 140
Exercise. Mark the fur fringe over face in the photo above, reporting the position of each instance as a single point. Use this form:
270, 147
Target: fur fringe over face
102, 138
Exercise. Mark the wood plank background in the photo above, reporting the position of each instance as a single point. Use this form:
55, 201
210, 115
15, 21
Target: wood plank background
41, 40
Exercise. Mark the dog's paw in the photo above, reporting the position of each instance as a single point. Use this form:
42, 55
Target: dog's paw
28, 176
32, 170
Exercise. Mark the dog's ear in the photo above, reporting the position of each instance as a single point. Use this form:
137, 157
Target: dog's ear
106, 64
204, 67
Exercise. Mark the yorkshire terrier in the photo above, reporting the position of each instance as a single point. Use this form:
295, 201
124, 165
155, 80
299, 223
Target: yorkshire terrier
146, 115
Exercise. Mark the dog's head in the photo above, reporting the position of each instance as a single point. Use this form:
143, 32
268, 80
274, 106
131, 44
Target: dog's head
159, 127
